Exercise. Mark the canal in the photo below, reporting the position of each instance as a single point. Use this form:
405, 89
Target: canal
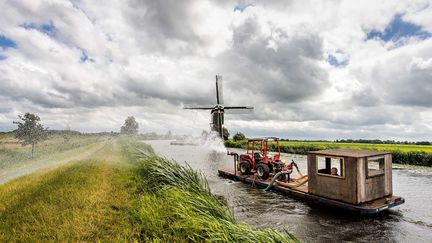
409, 222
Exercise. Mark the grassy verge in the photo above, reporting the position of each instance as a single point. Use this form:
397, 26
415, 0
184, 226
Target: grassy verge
122, 192
12, 153
402, 154
87, 200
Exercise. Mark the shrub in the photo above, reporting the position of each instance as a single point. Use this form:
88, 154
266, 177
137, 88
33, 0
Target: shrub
239, 137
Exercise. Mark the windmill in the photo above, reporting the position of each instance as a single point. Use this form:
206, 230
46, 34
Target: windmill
217, 111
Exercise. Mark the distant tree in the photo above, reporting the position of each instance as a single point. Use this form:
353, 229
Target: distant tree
239, 136
204, 133
30, 131
225, 134
130, 126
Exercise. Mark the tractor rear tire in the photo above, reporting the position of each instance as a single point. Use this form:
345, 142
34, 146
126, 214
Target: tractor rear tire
263, 171
245, 168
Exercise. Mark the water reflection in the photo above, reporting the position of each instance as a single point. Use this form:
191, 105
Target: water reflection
411, 221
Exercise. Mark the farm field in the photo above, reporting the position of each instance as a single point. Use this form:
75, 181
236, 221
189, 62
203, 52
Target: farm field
114, 189
402, 154
382, 147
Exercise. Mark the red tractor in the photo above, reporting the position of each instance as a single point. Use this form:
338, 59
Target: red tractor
258, 160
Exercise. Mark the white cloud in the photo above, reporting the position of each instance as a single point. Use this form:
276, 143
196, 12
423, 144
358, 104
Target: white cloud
147, 58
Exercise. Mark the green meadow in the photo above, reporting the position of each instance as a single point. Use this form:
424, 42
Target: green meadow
116, 189
402, 153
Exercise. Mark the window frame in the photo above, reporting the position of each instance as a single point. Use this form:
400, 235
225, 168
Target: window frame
342, 159
375, 158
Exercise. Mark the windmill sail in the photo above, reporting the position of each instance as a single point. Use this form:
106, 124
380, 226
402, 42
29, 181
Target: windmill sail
219, 90
198, 107
217, 111
238, 107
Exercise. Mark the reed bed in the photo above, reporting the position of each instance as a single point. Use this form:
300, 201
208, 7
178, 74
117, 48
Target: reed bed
176, 205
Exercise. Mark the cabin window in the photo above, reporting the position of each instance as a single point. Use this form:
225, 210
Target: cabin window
330, 166
375, 166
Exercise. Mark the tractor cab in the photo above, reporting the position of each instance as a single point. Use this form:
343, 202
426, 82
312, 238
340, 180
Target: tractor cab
257, 158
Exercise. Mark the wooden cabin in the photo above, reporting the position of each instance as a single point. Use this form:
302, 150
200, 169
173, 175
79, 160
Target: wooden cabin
350, 175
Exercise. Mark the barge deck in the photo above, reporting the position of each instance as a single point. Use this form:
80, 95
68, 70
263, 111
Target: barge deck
302, 193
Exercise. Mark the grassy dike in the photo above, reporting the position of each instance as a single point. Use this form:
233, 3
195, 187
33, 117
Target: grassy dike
123, 192
402, 154
86, 200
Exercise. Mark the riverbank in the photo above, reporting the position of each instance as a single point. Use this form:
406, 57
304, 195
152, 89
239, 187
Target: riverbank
176, 204
121, 192
402, 154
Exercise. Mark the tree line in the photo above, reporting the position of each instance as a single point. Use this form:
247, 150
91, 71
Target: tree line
30, 130
378, 141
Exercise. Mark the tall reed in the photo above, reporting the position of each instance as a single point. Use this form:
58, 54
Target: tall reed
177, 205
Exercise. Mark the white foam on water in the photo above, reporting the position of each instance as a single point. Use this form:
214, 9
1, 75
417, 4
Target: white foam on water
212, 142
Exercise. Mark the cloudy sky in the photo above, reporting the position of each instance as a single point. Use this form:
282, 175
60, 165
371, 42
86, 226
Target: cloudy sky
311, 69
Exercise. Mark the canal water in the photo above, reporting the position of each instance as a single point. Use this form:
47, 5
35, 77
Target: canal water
409, 222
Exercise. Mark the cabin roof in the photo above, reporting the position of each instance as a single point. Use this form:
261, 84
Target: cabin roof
356, 153
263, 139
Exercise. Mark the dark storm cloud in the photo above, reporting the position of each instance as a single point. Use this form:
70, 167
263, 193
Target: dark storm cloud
160, 88
366, 97
159, 24
413, 88
283, 66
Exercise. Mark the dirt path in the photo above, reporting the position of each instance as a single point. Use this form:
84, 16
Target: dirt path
53, 161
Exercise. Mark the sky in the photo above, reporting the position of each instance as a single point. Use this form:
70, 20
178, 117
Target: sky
311, 69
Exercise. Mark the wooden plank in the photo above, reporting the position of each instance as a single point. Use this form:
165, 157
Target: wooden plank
361, 180
388, 173
356, 153
338, 188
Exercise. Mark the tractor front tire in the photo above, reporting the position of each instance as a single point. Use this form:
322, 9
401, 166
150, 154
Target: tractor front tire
245, 168
263, 171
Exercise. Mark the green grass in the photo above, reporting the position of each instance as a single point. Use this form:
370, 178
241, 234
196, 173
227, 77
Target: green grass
402, 154
84, 201
177, 205
382, 147
13, 154
120, 192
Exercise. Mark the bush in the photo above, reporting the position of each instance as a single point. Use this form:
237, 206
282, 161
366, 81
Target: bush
235, 144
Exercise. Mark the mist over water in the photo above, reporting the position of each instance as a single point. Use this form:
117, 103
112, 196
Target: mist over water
410, 222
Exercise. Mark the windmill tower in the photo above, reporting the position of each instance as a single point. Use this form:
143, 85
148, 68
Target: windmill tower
217, 111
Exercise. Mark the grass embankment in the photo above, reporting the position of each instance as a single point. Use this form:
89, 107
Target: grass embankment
85, 200
402, 154
123, 192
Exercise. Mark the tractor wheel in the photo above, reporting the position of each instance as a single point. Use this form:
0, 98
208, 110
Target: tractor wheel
263, 171
245, 168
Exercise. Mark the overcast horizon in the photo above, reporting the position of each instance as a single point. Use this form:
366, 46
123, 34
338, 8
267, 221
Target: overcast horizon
311, 69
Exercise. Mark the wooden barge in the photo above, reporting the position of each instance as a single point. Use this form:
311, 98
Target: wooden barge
362, 185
